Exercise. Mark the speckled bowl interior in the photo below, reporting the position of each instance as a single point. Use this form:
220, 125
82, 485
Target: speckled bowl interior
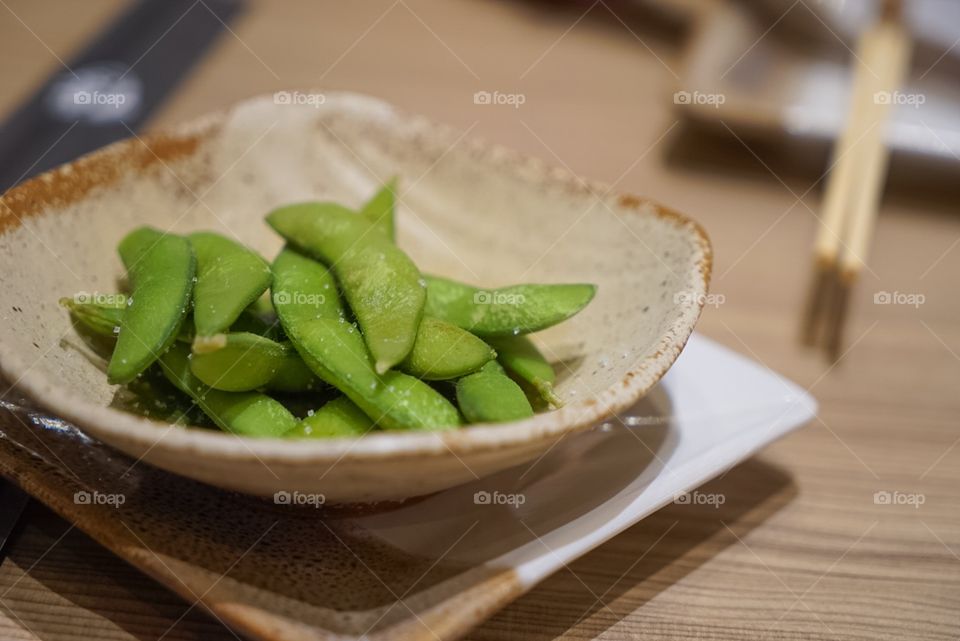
468, 210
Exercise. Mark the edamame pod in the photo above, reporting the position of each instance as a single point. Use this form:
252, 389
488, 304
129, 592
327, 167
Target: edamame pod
339, 417
505, 311
161, 268
101, 316
293, 375
520, 357
443, 351
380, 210
305, 297
243, 413
248, 362
490, 396
382, 285
230, 277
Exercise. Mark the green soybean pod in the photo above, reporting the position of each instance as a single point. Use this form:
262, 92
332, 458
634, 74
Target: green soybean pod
242, 413
382, 285
305, 297
101, 316
505, 311
380, 210
490, 396
161, 269
230, 277
443, 351
520, 357
339, 417
293, 375
248, 362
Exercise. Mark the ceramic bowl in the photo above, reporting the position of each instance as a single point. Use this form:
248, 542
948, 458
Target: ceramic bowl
468, 210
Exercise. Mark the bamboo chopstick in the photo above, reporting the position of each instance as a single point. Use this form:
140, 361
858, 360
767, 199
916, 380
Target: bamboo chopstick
856, 180
839, 192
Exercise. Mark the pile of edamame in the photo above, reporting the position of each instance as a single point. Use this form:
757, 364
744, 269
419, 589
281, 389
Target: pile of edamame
339, 336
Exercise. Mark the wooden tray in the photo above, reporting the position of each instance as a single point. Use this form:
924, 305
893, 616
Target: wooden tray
430, 568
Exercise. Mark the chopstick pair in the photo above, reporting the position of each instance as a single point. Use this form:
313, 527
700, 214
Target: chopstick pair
856, 180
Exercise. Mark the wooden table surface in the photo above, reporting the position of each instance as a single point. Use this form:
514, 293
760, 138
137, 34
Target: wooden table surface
801, 549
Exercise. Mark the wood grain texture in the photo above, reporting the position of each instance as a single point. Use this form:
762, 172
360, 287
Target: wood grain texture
799, 549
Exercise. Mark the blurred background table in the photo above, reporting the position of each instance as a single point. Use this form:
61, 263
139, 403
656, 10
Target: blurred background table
800, 548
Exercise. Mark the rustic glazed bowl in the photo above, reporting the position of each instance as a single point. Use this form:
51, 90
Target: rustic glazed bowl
468, 210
